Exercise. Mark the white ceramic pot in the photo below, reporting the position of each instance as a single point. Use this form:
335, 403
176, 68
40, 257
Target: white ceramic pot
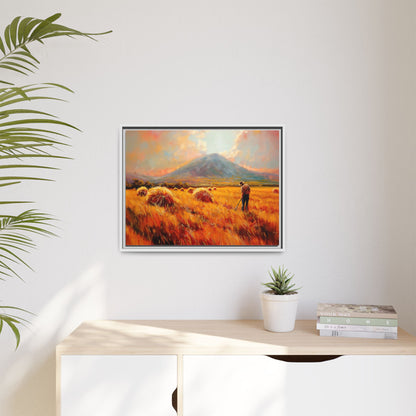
279, 311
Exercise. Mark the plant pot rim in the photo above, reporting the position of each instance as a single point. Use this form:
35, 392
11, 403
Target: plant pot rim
270, 296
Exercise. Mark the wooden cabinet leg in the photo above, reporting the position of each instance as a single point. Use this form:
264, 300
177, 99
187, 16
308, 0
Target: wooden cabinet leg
179, 395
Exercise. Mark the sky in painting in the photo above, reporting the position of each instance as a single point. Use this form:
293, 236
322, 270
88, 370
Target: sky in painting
159, 152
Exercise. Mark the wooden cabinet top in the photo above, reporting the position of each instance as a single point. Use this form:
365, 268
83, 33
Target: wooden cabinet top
220, 337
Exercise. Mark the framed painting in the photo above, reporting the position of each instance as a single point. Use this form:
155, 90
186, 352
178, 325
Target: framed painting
201, 189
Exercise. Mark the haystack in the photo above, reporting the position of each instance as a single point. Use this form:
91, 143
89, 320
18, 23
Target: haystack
142, 191
276, 190
191, 190
203, 195
160, 196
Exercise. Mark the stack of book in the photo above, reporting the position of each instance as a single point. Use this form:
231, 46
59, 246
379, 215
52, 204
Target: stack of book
357, 321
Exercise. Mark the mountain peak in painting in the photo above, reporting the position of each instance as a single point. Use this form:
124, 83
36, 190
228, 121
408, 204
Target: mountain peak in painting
213, 166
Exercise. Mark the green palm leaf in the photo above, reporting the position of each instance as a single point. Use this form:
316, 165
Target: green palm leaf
15, 237
12, 320
27, 135
21, 32
19, 136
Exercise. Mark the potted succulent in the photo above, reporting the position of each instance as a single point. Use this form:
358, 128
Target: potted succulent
280, 301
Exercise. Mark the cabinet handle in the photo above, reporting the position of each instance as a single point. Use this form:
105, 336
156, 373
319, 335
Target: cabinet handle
304, 358
175, 400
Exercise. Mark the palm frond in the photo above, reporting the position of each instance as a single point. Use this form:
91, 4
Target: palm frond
25, 134
19, 135
22, 31
13, 320
16, 236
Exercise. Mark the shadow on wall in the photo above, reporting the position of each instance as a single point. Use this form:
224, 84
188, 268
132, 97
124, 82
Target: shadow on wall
28, 386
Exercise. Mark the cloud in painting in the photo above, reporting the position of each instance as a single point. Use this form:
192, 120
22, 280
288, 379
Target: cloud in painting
158, 152
256, 150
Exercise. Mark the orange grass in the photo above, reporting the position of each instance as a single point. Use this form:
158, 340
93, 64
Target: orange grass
190, 222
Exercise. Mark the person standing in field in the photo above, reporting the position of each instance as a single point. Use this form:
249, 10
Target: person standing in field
245, 195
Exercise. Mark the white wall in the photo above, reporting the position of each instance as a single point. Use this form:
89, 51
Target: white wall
339, 75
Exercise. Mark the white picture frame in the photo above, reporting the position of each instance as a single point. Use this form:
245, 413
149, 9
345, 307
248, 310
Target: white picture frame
126, 184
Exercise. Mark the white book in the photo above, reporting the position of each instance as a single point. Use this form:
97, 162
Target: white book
356, 328
357, 334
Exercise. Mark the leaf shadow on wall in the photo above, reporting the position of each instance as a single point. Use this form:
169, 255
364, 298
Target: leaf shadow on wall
28, 387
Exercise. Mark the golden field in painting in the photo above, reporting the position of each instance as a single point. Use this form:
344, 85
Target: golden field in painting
189, 222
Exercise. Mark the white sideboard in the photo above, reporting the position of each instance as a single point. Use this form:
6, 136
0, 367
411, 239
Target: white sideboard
223, 368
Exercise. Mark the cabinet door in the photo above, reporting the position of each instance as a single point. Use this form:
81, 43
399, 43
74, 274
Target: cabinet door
353, 385
117, 385
233, 385
259, 385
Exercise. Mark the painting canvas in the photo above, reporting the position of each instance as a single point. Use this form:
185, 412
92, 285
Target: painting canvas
202, 189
